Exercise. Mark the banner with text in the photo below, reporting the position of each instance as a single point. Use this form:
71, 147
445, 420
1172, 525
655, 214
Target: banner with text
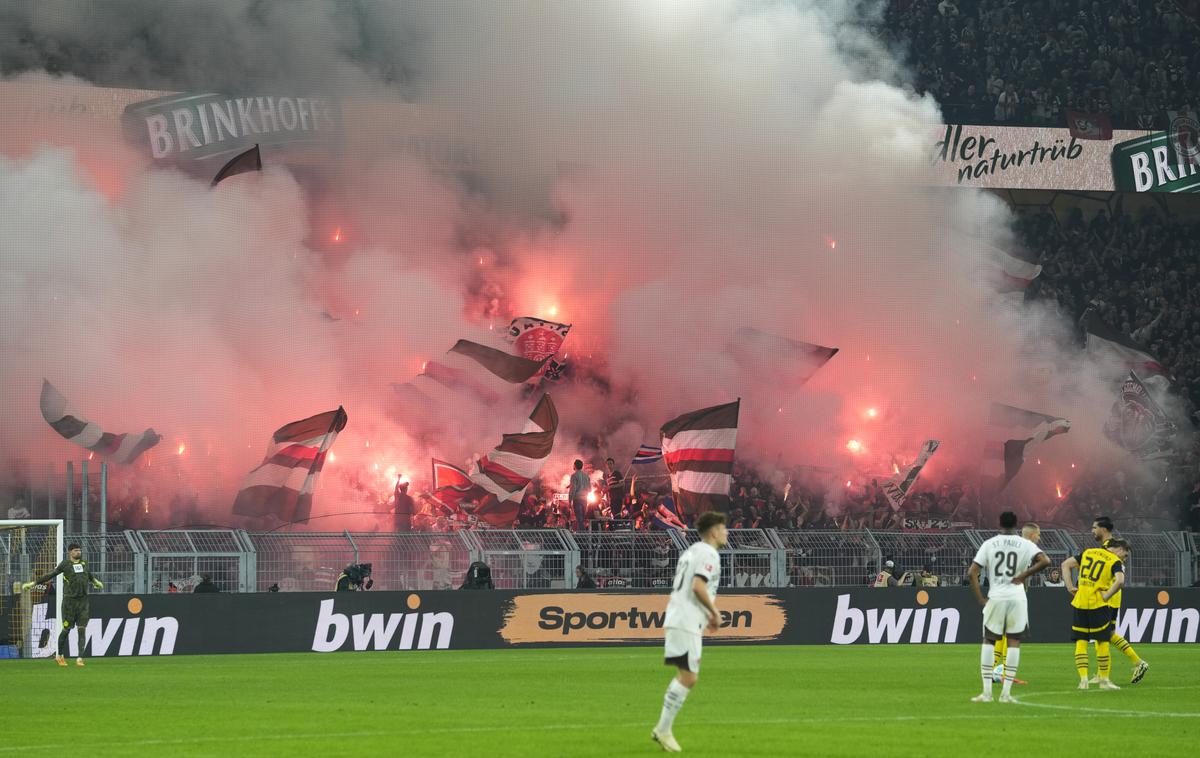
1013, 157
123, 625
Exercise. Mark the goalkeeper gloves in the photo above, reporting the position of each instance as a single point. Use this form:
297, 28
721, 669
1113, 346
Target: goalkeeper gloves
26, 587
97, 584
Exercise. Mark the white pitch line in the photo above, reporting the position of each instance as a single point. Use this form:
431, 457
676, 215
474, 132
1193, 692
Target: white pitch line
1108, 711
250, 738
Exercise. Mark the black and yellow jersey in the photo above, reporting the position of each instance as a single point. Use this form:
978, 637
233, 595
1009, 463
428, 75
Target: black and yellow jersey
1115, 600
1097, 568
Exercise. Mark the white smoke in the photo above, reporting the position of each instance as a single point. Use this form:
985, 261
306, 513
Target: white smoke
658, 174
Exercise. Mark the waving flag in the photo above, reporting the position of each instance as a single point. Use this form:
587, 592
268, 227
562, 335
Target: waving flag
537, 339
1013, 274
506, 471
1103, 339
511, 368
452, 486
647, 454
283, 484
778, 361
120, 448
698, 449
470, 374
1012, 433
242, 163
1137, 423
896, 490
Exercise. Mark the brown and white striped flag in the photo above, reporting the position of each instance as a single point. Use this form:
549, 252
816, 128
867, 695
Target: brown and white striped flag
698, 449
62, 418
506, 471
283, 484
511, 368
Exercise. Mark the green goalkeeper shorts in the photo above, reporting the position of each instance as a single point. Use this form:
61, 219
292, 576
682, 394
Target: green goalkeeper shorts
75, 612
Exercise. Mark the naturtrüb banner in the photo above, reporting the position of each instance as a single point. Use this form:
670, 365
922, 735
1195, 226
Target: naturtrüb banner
1010, 157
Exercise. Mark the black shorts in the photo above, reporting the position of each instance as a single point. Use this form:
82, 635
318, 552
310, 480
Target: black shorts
1092, 624
75, 612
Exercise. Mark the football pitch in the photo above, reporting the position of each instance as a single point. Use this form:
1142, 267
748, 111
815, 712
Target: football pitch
752, 700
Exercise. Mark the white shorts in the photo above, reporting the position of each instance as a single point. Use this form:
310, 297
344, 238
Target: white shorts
682, 649
1008, 615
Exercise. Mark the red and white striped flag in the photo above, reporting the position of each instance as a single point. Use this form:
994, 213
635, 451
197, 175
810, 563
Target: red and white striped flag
62, 418
506, 471
283, 485
698, 449
1013, 274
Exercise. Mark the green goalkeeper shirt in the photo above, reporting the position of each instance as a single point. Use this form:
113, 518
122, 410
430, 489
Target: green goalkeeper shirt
77, 579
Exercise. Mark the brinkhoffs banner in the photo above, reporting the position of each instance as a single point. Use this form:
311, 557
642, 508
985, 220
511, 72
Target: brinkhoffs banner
198, 131
125, 625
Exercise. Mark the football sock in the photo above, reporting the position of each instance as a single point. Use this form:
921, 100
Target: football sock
1081, 658
1103, 662
1011, 659
672, 702
1001, 649
62, 640
986, 656
1123, 645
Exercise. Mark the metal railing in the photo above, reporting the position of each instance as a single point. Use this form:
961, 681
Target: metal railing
180, 557
640, 560
1158, 559
1057, 544
238, 561
751, 559
527, 558
829, 558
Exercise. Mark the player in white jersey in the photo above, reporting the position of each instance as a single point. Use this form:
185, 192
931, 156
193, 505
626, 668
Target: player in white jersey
690, 611
1006, 608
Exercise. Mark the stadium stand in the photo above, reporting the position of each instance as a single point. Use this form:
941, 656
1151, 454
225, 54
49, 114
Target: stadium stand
1001, 62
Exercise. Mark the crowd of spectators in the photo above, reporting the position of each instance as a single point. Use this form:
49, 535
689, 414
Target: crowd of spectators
1007, 62
1140, 271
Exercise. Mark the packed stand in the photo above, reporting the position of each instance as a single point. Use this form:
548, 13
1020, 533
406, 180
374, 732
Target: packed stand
1002, 62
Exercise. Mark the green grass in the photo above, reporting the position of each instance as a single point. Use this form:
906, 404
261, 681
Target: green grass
765, 700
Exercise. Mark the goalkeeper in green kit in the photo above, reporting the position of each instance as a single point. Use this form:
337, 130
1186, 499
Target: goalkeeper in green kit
77, 580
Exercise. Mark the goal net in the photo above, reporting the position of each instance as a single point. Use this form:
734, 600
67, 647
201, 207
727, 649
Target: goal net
29, 549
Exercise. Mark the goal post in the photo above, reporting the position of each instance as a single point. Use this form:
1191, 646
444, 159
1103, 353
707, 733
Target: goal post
30, 548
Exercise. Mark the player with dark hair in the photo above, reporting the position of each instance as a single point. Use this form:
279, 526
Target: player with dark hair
1101, 576
77, 579
1033, 533
1102, 532
690, 611
1006, 608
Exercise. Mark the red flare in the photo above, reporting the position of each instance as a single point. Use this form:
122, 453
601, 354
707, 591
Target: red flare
854, 446
182, 447
337, 234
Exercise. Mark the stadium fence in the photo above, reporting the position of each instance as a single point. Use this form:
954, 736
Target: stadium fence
530, 559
